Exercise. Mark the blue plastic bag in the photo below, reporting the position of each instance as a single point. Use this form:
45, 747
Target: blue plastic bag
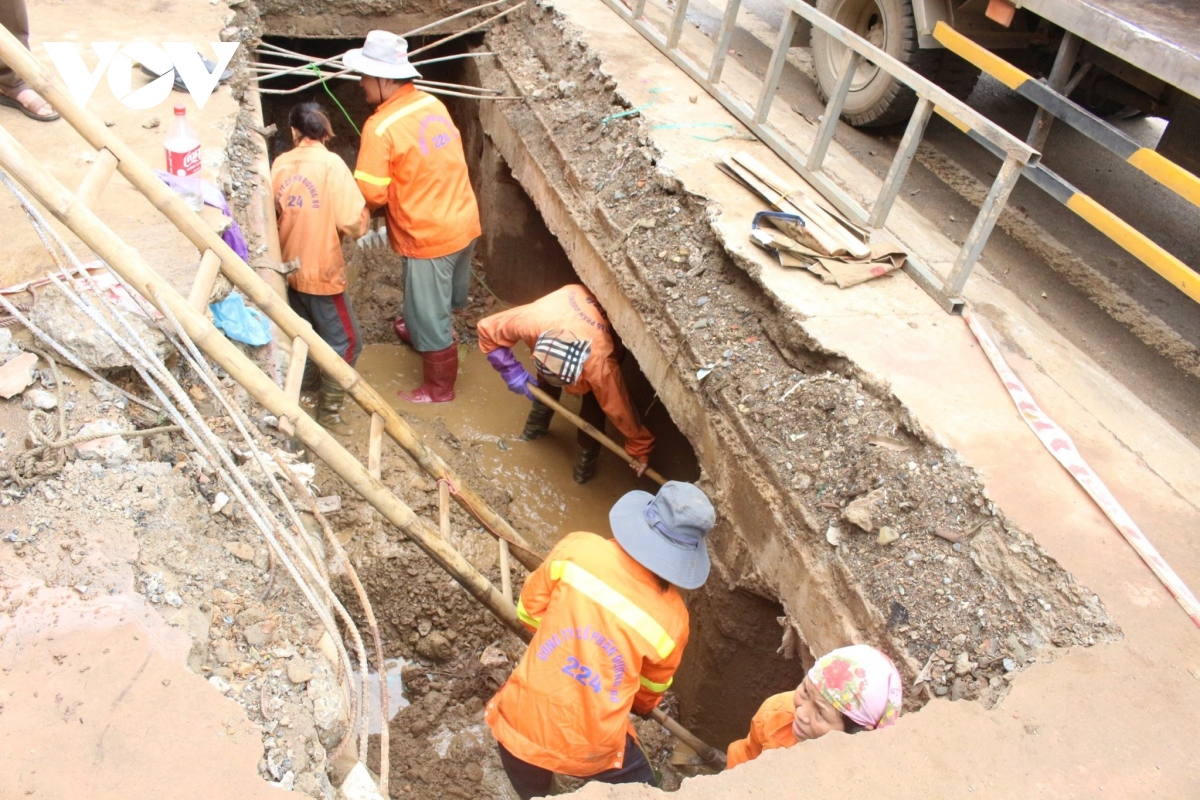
240, 323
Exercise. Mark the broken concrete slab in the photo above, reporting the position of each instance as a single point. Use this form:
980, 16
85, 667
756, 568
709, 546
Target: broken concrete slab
61, 319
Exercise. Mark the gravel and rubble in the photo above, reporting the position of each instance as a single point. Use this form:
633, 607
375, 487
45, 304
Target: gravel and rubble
140, 518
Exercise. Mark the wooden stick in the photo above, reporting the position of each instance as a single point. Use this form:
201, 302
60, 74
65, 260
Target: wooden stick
202, 284
97, 177
506, 587
591, 430
375, 448
444, 510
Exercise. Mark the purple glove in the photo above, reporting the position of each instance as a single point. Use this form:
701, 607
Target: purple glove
514, 374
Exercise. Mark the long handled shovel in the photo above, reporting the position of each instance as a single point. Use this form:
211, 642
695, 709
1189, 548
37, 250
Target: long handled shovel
592, 431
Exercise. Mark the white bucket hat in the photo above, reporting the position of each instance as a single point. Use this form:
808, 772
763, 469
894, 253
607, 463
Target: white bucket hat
383, 55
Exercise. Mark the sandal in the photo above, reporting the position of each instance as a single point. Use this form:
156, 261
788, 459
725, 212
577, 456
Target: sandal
12, 102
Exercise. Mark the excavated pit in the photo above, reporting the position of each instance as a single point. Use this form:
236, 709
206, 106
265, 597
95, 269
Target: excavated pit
791, 442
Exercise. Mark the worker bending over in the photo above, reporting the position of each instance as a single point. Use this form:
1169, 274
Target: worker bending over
412, 162
609, 630
851, 689
317, 202
574, 349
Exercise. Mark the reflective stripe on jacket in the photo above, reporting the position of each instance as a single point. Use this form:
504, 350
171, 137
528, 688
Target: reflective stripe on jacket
770, 729
412, 161
317, 202
575, 309
606, 639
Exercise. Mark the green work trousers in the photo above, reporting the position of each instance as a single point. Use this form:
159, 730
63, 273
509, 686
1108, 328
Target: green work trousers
432, 286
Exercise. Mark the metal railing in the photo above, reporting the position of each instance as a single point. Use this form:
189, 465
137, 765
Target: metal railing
1053, 103
1015, 154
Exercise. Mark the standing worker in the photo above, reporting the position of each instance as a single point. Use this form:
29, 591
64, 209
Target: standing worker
609, 630
318, 202
412, 161
15, 92
573, 348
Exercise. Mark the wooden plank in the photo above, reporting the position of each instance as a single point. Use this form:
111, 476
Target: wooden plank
206, 276
295, 376
506, 586
97, 178
812, 213
375, 448
444, 510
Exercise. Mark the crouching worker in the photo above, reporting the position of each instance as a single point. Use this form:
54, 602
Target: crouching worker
318, 202
573, 349
851, 689
609, 632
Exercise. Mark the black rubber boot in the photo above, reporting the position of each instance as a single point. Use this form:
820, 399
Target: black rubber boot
585, 464
311, 381
329, 407
537, 424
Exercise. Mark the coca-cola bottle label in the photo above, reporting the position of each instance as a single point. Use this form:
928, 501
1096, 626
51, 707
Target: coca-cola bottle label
183, 164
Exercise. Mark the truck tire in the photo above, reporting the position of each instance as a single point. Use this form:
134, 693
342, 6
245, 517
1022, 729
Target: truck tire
876, 99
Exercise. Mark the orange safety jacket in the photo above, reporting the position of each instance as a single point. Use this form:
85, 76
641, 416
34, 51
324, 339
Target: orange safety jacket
770, 729
317, 202
575, 309
606, 638
412, 161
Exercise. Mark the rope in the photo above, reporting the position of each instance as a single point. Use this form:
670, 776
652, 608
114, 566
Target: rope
328, 91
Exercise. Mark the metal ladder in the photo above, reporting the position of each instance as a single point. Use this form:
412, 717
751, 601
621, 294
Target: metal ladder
1014, 153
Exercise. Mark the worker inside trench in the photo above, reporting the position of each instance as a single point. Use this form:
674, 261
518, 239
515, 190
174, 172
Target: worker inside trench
732, 661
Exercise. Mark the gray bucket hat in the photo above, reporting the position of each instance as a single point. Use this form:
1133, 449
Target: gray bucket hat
665, 532
383, 55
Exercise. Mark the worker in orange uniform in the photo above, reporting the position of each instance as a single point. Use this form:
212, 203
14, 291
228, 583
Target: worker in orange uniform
573, 349
609, 630
412, 162
317, 202
850, 689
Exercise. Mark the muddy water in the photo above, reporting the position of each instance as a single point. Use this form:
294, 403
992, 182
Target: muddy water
547, 503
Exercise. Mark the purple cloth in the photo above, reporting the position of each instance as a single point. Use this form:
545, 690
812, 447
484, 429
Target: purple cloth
513, 372
212, 196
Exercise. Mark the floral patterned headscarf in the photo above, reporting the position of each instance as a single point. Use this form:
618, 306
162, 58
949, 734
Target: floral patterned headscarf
861, 683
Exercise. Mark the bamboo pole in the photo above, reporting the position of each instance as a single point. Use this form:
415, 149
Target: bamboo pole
592, 431
444, 511
128, 263
506, 587
252, 285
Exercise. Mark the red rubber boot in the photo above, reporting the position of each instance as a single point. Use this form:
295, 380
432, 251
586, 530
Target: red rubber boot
441, 370
401, 329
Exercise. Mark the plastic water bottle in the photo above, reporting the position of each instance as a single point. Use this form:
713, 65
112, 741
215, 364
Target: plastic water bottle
183, 159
